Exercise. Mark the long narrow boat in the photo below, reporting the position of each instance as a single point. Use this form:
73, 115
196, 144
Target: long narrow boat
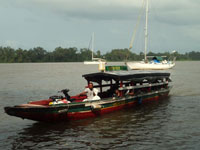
145, 86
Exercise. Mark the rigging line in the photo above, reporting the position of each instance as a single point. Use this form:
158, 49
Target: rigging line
92, 45
89, 46
141, 12
137, 25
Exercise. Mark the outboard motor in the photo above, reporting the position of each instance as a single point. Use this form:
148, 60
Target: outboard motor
65, 92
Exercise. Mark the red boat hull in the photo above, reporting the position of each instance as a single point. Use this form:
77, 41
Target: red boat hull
51, 114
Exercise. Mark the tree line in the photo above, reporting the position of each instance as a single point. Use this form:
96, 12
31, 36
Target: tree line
38, 54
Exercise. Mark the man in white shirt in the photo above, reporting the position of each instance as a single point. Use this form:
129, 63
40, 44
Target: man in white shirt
92, 93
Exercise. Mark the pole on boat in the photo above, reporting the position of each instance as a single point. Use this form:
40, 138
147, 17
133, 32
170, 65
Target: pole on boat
121, 85
100, 86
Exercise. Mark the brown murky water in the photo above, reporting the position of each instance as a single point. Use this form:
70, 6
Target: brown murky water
172, 123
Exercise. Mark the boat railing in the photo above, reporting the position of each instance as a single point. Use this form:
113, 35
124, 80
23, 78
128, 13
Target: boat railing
142, 86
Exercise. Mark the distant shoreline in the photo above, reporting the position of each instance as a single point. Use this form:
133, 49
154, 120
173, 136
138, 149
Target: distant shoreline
81, 62
72, 54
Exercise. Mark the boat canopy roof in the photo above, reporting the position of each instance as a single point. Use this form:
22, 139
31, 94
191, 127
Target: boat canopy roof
160, 58
132, 75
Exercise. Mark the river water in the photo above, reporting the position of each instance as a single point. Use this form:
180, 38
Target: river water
172, 123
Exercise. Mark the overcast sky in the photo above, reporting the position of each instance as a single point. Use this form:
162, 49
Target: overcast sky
173, 24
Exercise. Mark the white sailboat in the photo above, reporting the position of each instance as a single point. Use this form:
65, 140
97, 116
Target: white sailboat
94, 61
145, 64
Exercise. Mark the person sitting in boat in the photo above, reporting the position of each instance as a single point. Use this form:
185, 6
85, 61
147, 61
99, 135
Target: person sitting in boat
130, 92
91, 92
111, 91
116, 94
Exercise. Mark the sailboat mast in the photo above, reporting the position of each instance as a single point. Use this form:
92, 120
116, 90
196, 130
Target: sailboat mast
146, 31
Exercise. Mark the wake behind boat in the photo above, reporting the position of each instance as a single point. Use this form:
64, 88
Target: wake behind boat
117, 90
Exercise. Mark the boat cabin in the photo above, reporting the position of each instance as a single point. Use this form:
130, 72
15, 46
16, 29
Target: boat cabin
117, 80
127, 81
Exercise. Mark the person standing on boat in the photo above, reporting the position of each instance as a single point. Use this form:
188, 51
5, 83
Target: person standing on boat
91, 92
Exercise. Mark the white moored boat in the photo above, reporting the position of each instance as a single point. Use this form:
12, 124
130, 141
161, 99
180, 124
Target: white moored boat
94, 61
149, 66
145, 64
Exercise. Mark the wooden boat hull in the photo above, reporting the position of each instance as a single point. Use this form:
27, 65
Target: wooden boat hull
82, 110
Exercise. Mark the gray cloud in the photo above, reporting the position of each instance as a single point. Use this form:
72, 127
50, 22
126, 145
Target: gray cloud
170, 11
47, 22
87, 9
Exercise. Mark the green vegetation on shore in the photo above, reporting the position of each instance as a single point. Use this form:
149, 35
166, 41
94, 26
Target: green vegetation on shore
38, 54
